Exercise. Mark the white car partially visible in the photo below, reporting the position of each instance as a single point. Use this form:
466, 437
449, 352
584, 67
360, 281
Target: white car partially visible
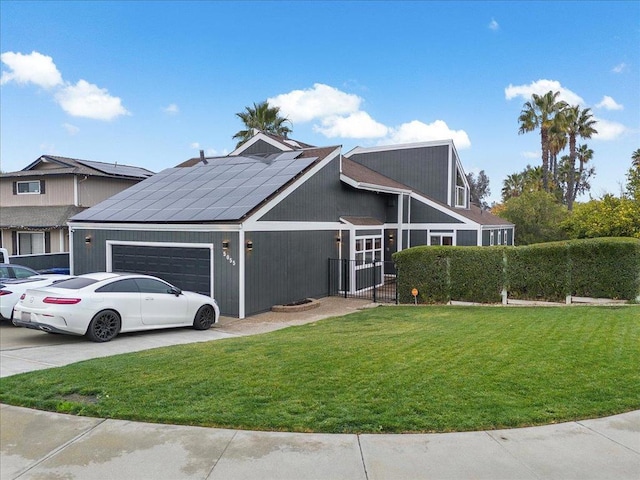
102, 305
12, 288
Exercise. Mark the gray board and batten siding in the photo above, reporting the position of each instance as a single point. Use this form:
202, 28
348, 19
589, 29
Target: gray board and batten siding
287, 266
92, 257
421, 169
324, 199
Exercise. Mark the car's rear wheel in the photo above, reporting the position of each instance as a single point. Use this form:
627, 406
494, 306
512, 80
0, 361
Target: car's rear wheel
104, 326
205, 317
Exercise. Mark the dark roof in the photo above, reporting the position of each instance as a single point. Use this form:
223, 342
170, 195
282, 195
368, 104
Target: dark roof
226, 189
362, 174
37, 217
65, 165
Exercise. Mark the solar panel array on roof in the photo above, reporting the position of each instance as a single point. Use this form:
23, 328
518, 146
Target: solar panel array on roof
225, 189
115, 169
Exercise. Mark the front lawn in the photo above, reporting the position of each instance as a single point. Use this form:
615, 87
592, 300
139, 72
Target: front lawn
389, 369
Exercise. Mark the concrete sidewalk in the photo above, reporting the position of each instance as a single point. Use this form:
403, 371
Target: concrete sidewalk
43, 445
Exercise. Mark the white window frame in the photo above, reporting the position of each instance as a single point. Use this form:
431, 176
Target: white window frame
44, 247
461, 196
440, 236
491, 238
27, 182
370, 251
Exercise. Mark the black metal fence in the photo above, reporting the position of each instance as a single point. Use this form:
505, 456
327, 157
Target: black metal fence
354, 279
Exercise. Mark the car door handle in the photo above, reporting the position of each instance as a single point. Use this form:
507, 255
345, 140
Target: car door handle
148, 298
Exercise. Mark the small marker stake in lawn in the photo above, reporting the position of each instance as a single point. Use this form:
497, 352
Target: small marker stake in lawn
414, 292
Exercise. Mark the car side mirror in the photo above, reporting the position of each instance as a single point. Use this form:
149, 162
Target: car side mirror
176, 291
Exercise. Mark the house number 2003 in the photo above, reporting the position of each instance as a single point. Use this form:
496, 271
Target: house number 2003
229, 259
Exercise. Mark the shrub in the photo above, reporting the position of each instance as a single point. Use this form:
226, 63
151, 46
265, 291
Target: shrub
601, 268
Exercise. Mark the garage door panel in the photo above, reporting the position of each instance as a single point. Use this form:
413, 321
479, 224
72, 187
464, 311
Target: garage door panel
186, 268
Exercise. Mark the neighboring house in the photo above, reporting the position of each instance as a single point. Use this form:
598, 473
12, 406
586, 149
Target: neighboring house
37, 202
257, 228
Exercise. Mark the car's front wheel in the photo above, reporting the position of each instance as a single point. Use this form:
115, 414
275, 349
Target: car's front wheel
205, 317
104, 326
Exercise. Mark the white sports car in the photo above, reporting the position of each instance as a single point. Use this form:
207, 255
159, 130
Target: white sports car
12, 288
101, 305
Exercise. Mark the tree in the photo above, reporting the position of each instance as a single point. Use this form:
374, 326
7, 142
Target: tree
576, 122
479, 188
635, 159
633, 178
540, 113
557, 143
537, 217
529, 180
580, 178
608, 217
264, 118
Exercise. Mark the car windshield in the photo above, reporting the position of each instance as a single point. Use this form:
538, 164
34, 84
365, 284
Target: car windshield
75, 283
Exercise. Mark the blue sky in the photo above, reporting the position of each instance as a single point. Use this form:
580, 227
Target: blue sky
151, 83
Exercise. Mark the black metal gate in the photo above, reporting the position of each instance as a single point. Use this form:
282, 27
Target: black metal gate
355, 279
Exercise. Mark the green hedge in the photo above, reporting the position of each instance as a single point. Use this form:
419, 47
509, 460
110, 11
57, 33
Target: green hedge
600, 268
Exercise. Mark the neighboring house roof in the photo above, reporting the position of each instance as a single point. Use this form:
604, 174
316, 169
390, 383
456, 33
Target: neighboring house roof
367, 179
63, 165
37, 217
225, 189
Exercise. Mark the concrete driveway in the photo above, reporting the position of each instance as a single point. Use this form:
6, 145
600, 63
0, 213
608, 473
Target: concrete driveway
44, 445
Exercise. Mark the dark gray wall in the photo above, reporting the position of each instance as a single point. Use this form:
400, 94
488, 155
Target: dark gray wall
466, 238
421, 213
261, 147
284, 267
423, 169
92, 257
324, 198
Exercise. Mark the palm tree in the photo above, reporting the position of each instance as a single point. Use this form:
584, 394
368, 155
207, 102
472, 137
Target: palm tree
540, 112
635, 159
584, 154
512, 186
264, 118
557, 143
577, 123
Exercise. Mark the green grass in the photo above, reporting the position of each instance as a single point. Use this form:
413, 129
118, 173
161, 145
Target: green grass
389, 369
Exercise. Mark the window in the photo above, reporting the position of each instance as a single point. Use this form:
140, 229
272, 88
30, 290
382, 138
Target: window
121, 286
441, 239
491, 238
28, 188
461, 191
368, 249
149, 285
30, 243
499, 237
504, 238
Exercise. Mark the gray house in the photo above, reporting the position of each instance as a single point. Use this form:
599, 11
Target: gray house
256, 228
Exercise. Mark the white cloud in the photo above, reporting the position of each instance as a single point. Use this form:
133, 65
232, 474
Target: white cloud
32, 68
416, 131
608, 130
71, 129
171, 109
541, 87
494, 25
621, 67
87, 100
318, 102
195, 145
355, 125
609, 103
530, 154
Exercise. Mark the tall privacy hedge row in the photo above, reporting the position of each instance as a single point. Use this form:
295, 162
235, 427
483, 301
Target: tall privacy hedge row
600, 268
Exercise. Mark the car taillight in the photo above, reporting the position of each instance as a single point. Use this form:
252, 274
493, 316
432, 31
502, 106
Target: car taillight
22, 296
61, 301
5, 292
